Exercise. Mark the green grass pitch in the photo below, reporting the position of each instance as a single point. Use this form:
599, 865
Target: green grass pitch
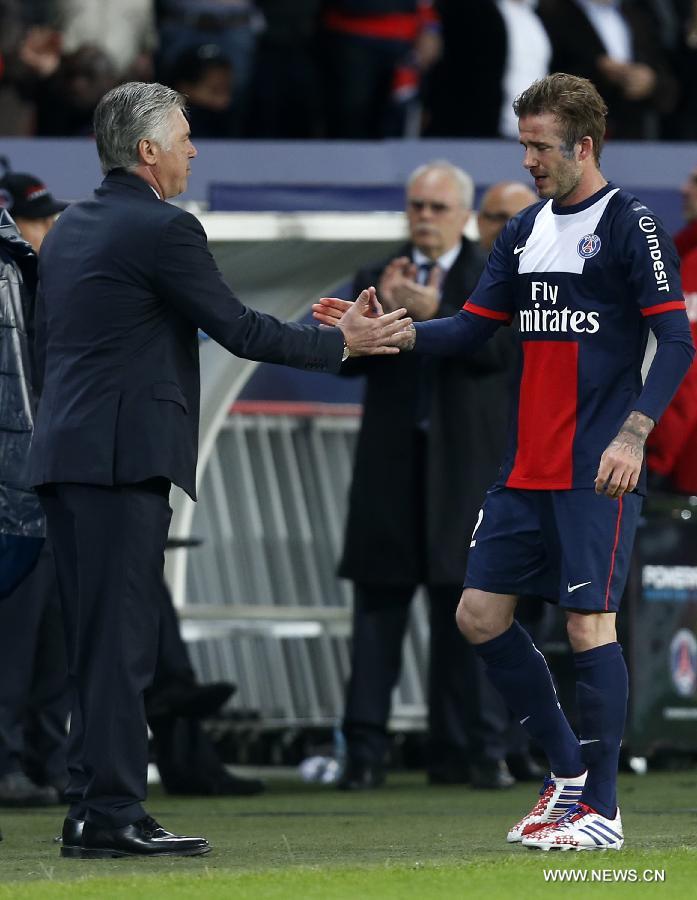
405, 841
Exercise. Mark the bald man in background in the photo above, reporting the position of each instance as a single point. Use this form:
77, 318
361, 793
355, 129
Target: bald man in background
500, 203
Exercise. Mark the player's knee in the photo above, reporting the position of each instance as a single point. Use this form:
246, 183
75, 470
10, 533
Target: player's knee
476, 618
576, 630
466, 615
589, 630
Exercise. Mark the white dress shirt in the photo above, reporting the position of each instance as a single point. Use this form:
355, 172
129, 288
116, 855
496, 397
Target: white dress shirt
444, 262
528, 58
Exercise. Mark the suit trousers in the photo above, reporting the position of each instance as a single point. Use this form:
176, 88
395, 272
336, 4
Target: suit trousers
109, 547
173, 662
467, 719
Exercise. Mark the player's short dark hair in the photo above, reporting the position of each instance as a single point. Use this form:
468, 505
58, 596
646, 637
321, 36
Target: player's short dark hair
575, 103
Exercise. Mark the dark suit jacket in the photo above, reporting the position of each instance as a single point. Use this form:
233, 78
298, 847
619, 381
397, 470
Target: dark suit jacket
394, 506
475, 48
576, 47
125, 280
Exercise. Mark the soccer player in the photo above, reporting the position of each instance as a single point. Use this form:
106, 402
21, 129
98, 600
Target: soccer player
586, 271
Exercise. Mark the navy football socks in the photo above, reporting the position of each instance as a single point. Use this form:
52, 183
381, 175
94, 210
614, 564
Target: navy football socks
519, 672
602, 689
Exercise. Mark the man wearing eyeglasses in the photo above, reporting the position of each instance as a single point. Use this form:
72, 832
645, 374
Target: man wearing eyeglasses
439, 429
500, 203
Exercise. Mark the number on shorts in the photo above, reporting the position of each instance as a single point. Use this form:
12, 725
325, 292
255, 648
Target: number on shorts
480, 516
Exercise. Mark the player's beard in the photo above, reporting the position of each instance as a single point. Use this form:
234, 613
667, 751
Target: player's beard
567, 177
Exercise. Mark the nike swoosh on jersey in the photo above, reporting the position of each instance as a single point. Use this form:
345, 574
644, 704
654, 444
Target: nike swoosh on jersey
523, 721
517, 250
589, 741
574, 587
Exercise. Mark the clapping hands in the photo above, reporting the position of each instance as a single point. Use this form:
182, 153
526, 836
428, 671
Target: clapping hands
398, 287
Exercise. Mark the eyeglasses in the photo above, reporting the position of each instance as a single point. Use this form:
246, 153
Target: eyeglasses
498, 217
435, 207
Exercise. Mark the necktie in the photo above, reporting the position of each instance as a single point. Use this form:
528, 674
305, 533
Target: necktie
424, 272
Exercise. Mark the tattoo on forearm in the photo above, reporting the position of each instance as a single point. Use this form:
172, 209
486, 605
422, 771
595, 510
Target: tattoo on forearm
633, 434
638, 425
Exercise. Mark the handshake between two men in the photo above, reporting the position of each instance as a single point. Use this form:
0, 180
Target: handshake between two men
367, 329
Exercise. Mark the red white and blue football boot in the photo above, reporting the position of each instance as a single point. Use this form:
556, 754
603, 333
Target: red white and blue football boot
557, 797
581, 828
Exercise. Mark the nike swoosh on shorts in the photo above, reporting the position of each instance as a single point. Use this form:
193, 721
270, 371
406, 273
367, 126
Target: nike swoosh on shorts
574, 587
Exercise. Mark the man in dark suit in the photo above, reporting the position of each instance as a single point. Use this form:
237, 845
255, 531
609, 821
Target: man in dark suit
438, 428
504, 42
125, 279
616, 46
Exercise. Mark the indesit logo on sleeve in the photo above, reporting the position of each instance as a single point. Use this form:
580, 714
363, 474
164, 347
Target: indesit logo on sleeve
648, 226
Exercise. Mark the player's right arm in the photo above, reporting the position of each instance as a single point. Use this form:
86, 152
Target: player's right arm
489, 307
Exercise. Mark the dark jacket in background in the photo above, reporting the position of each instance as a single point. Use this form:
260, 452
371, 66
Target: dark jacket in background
576, 47
465, 442
472, 66
286, 92
21, 517
19, 510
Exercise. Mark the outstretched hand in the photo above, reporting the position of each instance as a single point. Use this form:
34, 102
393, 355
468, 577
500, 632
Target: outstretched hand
329, 310
367, 331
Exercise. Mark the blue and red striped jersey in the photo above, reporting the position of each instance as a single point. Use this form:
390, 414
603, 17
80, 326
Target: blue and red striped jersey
581, 284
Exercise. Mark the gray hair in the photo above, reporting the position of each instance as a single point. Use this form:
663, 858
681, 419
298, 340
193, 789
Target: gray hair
130, 113
460, 177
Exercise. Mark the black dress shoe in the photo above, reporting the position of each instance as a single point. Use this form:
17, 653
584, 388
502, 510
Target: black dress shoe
361, 777
192, 701
142, 838
17, 789
524, 768
491, 775
72, 831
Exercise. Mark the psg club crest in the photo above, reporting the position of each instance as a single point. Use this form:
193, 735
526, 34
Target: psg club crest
588, 246
683, 662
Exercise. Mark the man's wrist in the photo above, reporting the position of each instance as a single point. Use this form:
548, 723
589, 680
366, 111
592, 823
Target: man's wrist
346, 352
638, 425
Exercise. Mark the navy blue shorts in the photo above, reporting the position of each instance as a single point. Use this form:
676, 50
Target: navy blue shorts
571, 547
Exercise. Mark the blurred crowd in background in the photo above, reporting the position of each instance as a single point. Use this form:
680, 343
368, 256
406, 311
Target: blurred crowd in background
348, 69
